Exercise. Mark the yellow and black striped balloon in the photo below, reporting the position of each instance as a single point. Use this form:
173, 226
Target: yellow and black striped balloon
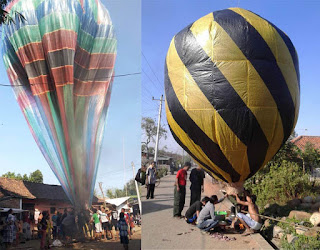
232, 92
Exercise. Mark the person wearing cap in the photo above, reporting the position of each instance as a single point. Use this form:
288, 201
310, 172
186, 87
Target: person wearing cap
151, 180
180, 190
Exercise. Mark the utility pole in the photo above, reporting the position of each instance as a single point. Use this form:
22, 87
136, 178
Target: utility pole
137, 188
124, 167
158, 129
104, 199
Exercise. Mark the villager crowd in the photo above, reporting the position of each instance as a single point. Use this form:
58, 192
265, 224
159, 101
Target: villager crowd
66, 227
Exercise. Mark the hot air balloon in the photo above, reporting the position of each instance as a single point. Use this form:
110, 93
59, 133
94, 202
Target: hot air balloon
60, 62
232, 92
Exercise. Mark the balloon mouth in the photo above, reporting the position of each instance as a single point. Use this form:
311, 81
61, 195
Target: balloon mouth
234, 188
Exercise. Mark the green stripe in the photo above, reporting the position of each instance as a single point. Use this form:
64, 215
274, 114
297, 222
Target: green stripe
96, 45
93, 6
25, 35
21, 6
57, 21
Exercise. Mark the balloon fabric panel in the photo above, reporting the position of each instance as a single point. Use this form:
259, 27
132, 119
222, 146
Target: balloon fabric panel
61, 63
232, 92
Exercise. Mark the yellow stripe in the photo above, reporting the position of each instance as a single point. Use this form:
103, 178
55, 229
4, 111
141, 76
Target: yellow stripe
242, 76
203, 113
193, 147
280, 52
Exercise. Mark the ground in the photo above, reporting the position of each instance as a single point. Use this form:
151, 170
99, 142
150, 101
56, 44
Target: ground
161, 231
134, 244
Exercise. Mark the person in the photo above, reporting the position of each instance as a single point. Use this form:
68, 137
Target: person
43, 227
206, 219
109, 224
252, 220
10, 228
196, 179
69, 225
123, 231
115, 222
193, 212
180, 190
98, 229
54, 219
151, 180
141, 175
131, 222
104, 221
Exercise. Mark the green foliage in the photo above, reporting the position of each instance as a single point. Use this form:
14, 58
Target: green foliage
302, 242
162, 172
129, 189
4, 15
35, 176
282, 183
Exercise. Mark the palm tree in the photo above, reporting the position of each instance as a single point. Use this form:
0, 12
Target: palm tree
4, 15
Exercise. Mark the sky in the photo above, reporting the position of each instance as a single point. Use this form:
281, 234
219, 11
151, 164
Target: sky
19, 152
161, 20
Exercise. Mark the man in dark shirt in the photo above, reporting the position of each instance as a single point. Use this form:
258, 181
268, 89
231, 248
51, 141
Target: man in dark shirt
196, 179
180, 190
194, 210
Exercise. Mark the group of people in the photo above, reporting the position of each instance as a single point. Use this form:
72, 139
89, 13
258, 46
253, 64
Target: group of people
202, 211
94, 223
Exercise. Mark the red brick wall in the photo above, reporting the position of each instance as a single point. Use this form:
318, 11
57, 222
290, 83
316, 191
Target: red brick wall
45, 205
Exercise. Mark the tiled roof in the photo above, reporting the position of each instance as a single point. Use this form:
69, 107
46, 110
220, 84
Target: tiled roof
31, 190
302, 140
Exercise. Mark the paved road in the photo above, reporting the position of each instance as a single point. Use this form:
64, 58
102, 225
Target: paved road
161, 231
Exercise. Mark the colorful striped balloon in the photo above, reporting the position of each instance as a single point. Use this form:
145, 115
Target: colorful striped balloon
232, 92
60, 62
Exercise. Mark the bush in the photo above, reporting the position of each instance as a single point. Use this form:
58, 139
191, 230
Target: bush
280, 184
162, 172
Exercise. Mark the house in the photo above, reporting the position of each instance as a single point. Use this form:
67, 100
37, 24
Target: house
120, 203
302, 140
27, 195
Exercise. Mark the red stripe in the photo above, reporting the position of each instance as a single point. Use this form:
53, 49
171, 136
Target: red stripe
30, 52
94, 61
62, 75
90, 88
58, 40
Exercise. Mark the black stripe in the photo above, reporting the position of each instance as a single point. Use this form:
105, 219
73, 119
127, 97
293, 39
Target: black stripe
223, 97
290, 46
36, 69
207, 168
211, 149
257, 51
60, 58
92, 74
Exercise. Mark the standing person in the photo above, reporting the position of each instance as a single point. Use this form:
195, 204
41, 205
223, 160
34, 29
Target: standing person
180, 190
115, 221
141, 175
123, 231
54, 219
43, 227
151, 180
9, 234
206, 219
131, 222
196, 179
98, 229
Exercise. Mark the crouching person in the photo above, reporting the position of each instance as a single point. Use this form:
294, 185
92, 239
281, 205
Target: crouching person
194, 210
206, 219
252, 220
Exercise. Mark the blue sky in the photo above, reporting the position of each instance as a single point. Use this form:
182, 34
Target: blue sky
19, 151
161, 20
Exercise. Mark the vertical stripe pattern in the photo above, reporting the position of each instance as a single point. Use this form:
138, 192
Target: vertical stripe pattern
60, 62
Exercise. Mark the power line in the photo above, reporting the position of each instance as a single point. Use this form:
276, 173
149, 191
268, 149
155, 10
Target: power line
151, 69
31, 84
156, 86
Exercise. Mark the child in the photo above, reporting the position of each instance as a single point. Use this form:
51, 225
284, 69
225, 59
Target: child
123, 231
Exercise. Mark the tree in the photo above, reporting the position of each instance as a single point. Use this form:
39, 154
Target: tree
129, 188
35, 176
150, 130
4, 15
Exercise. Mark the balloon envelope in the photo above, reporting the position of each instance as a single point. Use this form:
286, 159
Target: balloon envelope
60, 62
232, 92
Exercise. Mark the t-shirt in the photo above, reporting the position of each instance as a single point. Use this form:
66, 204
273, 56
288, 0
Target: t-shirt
206, 213
114, 215
54, 220
95, 217
123, 227
182, 177
104, 217
196, 206
151, 173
